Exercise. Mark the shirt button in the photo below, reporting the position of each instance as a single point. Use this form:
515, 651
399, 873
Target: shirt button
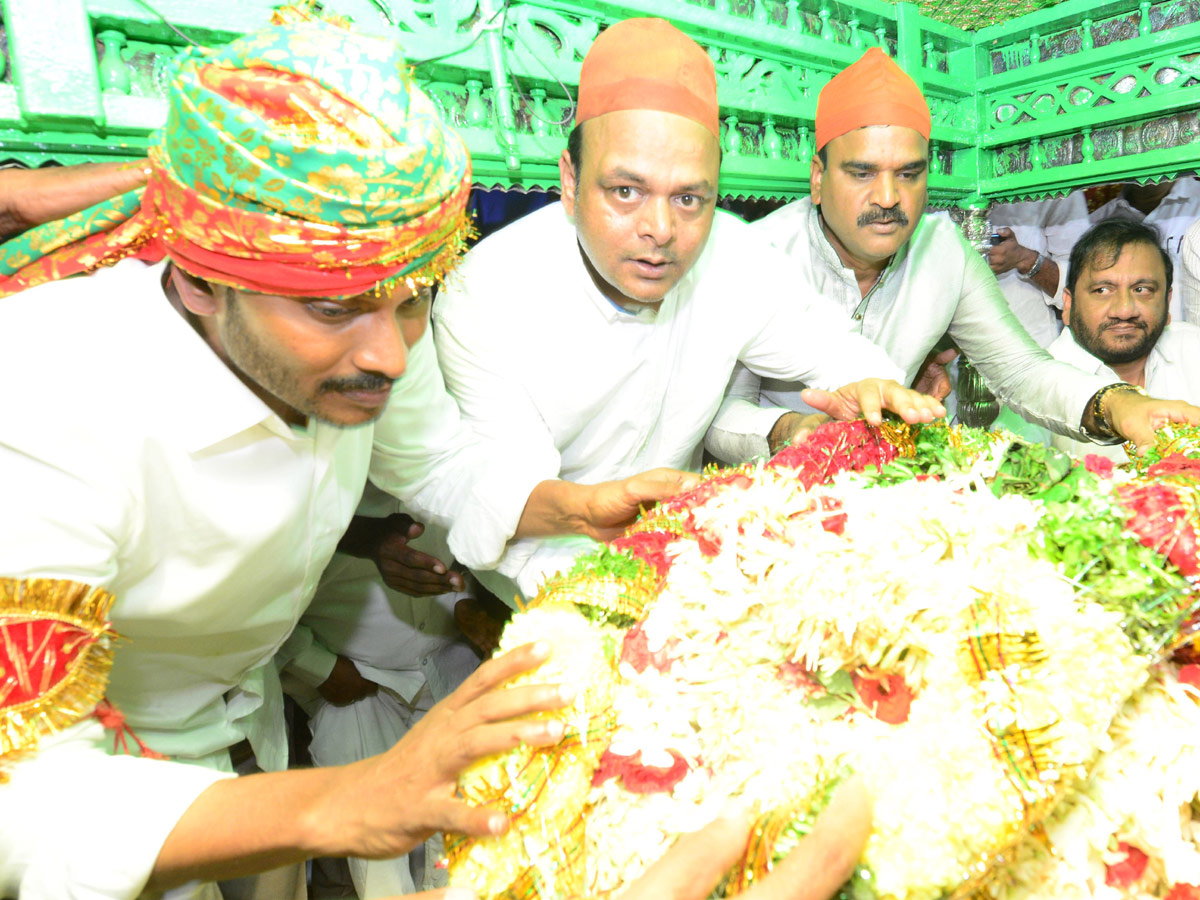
858, 317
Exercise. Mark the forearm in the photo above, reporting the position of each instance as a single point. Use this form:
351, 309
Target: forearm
1047, 278
556, 507
35, 196
361, 538
250, 824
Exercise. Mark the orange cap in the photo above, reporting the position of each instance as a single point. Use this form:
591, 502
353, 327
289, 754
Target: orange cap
648, 64
872, 91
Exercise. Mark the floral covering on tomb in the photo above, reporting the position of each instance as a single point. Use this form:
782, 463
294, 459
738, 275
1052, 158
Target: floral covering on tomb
995, 636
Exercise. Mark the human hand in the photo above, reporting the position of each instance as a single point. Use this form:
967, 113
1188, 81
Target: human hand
792, 428
1136, 417
933, 378
345, 684
478, 625
820, 863
402, 567
613, 505
1009, 254
32, 197
385, 805
869, 397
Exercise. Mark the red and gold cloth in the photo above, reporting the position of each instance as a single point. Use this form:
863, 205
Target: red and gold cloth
55, 656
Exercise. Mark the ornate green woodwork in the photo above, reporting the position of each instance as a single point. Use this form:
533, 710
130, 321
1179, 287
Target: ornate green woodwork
1074, 94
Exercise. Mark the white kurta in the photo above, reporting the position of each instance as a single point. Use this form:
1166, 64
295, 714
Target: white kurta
537, 357
936, 284
133, 459
1172, 373
1187, 275
1173, 216
1050, 227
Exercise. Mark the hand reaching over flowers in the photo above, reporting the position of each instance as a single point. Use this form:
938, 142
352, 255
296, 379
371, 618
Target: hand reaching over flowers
869, 397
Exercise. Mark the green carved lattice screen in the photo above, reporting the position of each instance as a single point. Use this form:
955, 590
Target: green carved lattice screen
1028, 99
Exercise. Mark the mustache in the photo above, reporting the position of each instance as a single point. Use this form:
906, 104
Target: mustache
879, 214
365, 382
1115, 323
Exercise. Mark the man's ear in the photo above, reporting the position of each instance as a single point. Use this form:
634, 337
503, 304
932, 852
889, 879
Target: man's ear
815, 170
196, 296
1169, 290
1067, 307
566, 178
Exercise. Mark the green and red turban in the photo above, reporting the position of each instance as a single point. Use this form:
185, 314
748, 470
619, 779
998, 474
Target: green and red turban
301, 160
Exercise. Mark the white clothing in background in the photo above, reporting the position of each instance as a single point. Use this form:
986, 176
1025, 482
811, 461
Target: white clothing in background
1051, 227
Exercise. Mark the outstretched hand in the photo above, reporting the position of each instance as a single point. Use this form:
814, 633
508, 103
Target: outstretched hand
869, 397
613, 505
1136, 418
387, 804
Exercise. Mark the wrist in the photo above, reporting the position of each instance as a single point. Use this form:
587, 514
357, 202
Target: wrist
1032, 264
1098, 422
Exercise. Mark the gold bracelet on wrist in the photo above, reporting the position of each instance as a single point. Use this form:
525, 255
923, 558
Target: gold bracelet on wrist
1102, 426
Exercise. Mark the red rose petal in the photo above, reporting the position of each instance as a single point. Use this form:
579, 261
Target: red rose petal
1127, 871
888, 697
641, 779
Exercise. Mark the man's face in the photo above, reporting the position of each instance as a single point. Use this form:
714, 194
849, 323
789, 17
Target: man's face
872, 191
332, 359
644, 201
1117, 312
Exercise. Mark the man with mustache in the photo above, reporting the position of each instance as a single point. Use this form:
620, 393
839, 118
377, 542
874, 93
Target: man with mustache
598, 334
1116, 308
189, 424
906, 281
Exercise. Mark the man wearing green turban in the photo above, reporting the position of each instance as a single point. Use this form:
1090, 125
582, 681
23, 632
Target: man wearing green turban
190, 427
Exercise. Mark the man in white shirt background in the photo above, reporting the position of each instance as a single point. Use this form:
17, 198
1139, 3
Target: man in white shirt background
1116, 308
906, 280
598, 335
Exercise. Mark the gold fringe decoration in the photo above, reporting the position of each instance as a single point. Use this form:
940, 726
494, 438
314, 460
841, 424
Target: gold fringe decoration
73, 696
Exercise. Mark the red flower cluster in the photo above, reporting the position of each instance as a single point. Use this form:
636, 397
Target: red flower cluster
887, 696
635, 650
1128, 870
1159, 518
832, 448
1177, 464
1098, 465
637, 778
648, 546
704, 491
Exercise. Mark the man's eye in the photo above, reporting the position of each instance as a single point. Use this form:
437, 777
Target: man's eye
329, 311
624, 192
689, 201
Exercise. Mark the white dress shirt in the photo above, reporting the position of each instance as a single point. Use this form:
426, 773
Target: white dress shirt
1187, 275
936, 284
538, 357
132, 458
1172, 373
1051, 227
1173, 216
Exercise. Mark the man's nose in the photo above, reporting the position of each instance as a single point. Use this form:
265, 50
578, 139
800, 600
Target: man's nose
883, 191
657, 221
382, 350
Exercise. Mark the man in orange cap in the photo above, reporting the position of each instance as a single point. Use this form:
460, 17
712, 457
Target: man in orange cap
905, 281
599, 334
